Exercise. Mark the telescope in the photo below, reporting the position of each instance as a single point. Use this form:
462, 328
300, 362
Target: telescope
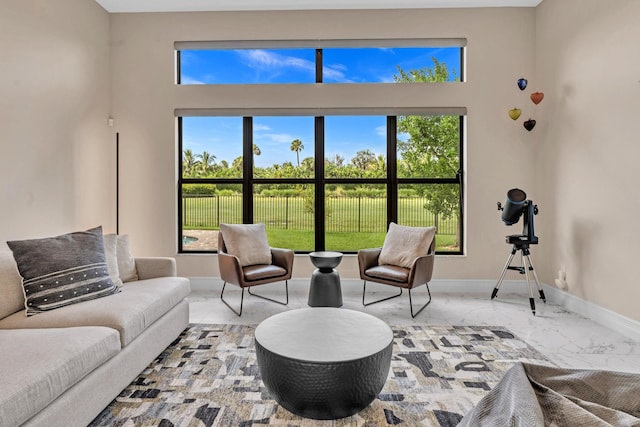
515, 206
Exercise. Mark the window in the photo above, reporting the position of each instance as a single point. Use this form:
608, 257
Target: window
300, 62
248, 66
343, 203
325, 181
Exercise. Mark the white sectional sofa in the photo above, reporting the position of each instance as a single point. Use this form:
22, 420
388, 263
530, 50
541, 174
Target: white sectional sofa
63, 367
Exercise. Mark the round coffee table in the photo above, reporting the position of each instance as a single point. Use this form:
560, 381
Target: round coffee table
324, 289
324, 363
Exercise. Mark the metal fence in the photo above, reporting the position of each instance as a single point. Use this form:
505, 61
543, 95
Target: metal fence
343, 213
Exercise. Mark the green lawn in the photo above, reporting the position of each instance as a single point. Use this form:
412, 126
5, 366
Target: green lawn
352, 223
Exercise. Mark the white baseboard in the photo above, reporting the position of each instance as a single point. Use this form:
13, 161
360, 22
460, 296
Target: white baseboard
610, 319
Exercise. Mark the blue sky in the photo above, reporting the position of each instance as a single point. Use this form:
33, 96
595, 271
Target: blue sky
344, 136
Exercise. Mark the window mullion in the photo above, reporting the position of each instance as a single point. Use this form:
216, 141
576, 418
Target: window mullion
392, 170
319, 202
318, 65
247, 170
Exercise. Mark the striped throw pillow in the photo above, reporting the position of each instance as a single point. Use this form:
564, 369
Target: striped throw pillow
63, 270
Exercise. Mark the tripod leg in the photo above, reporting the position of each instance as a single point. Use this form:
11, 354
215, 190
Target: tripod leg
504, 271
526, 274
535, 277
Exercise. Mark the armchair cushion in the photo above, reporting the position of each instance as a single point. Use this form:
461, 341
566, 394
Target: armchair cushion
389, 272
403, 244
259, 272
248, 242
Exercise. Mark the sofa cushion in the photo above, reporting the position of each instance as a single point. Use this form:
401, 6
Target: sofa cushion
126, 262
110, 249
248, 242
63, 270
403, 244
11, 291
130, 311
37, 365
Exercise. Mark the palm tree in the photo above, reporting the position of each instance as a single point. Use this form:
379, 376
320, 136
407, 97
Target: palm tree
189, 162
206, 162
296, 145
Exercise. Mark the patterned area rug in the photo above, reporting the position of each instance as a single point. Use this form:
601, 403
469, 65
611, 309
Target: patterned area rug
209, 377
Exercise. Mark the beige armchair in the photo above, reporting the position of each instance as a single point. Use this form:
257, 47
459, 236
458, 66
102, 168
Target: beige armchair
233, 271
415, 272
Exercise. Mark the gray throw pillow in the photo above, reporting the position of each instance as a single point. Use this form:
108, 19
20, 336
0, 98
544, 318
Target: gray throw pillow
63, 270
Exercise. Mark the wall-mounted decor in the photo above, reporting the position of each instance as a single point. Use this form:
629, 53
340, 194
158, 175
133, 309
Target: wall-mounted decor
529, 124
537, 97
522, 83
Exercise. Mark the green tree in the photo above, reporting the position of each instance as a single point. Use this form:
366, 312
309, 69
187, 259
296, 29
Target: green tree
207, 161
431, 147
363, 159
189, 163
297, 146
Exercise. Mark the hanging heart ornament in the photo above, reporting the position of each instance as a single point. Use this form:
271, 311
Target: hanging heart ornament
522, 83
529, 124
537, 97
515, 113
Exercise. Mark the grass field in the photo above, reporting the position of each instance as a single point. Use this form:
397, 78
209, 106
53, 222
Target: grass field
352, 223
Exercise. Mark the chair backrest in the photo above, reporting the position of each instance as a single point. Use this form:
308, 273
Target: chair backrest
221, 246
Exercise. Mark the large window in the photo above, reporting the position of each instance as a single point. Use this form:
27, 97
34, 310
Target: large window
409, 173
327, 181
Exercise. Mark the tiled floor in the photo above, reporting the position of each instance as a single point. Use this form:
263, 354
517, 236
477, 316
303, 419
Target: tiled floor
567, 339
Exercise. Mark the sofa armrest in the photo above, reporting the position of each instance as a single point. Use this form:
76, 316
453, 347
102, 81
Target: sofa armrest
152, 267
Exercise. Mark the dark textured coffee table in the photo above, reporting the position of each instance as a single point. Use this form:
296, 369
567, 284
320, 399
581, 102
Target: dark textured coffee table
325, 289
324, 363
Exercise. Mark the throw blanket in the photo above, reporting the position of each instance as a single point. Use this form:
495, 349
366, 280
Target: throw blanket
536, 395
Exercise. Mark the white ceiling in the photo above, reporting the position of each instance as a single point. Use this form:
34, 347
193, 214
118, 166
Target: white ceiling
116, 6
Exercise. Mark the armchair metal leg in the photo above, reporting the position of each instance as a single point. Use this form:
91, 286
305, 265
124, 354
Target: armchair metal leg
239, 313
364, 289
421, 308
286, 287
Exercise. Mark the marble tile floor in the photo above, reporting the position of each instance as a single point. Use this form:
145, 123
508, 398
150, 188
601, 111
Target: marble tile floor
565, 338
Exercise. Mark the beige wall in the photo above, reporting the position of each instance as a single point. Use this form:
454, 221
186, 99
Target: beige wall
587, 150
500, 50
56, 161
70, 65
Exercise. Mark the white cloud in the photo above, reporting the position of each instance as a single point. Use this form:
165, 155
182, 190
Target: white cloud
260, 128
266, 59
381, 131
279, 137
335, 73
186, 80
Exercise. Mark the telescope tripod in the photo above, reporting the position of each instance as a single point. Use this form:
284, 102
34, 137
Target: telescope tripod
523, 247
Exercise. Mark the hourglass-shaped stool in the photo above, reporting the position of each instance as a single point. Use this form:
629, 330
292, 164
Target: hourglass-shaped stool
325, 290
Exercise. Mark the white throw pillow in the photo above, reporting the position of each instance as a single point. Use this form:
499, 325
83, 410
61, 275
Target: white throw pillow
403, 244
248, 242
110, 251
126, 261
